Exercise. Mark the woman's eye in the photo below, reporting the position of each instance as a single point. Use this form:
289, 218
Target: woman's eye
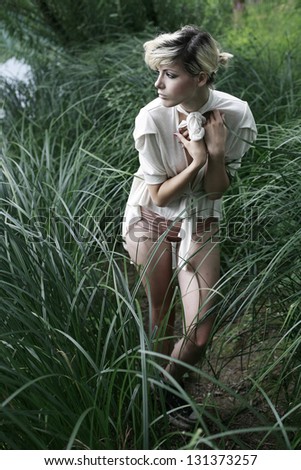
166, 73
170, 75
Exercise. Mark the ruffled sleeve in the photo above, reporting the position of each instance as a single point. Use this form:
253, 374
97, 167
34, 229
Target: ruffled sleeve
148, 147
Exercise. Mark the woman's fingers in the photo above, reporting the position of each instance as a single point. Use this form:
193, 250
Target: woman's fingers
215, 115
216, 134
180, 137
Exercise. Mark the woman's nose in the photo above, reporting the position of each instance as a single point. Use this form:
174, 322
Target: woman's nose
159, 82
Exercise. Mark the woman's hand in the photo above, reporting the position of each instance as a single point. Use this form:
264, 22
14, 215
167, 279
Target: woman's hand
196, 149
215, 135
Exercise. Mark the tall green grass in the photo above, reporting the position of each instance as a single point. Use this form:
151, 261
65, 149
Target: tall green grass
77, 362
75, 356
72, 334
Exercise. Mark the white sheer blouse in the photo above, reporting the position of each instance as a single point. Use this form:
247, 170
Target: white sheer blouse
161, 157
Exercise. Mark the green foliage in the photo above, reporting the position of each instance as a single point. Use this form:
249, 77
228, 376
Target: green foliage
71, 23
44, 23
266, 66
257, 27
173, 14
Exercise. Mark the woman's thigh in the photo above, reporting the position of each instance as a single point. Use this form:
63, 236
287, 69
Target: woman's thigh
197, 283
153, 258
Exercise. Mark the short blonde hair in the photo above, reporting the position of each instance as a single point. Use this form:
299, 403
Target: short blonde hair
196, 50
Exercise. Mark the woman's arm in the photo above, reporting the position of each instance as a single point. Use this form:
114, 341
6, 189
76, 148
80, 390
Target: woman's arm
212, 151
216, 179
163, 193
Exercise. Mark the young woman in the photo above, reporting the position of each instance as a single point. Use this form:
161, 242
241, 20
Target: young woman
190, 140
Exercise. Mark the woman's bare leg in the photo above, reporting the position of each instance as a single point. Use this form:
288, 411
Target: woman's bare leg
196, 284
154, 260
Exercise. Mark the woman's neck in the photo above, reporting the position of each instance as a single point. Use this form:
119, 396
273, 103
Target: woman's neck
198, 102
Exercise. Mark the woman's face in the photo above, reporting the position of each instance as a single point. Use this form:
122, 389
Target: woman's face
176, 86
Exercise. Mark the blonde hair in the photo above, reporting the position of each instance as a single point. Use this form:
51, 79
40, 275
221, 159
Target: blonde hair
196, 50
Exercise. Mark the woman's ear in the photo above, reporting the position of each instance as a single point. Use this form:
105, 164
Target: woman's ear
202, 79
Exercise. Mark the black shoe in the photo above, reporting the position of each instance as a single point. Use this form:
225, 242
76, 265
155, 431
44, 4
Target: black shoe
180, 414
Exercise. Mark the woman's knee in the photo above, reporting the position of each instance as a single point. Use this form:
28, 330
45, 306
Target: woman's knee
198, 343
200, 336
